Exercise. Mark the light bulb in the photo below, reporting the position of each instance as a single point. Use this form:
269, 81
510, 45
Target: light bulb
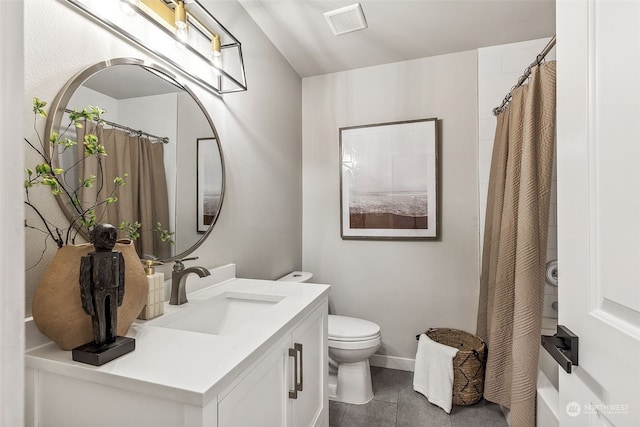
182, 34
128, 7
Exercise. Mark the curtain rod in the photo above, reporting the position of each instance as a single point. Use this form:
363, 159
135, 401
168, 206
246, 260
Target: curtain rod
527, 72
131, 131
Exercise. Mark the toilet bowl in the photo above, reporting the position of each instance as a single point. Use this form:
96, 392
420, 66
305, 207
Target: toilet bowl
351, 342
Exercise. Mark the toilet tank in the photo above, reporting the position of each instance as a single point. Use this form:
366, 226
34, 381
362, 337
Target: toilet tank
296, 276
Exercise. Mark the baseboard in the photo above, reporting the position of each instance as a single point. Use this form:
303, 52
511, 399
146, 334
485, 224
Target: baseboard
391, 362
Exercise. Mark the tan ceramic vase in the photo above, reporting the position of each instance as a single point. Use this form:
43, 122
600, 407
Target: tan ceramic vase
57, 308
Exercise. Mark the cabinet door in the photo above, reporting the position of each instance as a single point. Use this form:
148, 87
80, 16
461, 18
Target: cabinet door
310, 408
260, 397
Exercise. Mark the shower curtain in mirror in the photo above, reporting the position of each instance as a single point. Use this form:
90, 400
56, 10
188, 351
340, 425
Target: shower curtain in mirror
143, 197
515, 245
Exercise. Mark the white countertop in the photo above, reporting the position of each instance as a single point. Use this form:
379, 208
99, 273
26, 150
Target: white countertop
190, 367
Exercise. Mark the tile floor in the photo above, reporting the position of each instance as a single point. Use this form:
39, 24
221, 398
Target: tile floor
396, 404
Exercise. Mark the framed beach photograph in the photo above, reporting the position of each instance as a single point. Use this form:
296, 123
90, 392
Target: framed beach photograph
208, 185
389, 181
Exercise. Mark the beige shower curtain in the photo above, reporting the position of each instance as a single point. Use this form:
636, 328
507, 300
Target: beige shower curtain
143, 198
515, 245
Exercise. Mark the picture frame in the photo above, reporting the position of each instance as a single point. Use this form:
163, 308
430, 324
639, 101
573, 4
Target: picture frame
208, 195
389, 181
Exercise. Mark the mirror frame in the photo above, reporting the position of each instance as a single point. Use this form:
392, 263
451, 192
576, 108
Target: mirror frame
57, 111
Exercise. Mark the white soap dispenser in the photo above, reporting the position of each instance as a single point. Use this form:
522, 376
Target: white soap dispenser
155, 298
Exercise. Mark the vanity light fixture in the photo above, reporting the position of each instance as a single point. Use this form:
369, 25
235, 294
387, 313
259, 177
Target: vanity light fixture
182, 30
203, 40
216, 54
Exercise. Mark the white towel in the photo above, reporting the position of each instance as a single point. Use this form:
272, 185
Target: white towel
433, 375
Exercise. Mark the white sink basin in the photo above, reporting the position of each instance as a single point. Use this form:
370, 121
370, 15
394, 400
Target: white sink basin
220, 315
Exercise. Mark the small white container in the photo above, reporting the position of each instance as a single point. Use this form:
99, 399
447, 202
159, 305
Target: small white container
155, 297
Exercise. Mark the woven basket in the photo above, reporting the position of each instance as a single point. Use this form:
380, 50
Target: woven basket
468, 365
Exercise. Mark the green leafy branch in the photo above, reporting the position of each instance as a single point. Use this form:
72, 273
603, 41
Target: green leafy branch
133, 231
55, 179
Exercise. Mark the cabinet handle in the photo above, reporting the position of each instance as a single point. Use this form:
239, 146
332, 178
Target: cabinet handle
294, 353
298, 347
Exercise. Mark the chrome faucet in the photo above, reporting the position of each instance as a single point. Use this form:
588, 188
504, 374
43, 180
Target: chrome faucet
179, 278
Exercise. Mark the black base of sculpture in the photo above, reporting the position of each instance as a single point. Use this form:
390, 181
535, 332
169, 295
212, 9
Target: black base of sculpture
97, 355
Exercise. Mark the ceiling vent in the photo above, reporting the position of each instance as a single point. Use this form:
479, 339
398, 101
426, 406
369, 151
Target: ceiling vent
346, 19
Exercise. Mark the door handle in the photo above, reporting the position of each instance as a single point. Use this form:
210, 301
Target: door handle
298, 348
293, 394
562, 346
296, 353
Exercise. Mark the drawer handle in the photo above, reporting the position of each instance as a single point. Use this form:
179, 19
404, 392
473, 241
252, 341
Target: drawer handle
298, 348
294, 353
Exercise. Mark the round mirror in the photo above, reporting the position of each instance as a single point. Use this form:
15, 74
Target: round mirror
162, 178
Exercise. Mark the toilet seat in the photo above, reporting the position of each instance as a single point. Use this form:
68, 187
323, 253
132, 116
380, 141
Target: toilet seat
351, 329
355, 344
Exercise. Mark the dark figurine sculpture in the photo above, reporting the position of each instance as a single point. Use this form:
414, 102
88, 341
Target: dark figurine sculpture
102, 283
102, 292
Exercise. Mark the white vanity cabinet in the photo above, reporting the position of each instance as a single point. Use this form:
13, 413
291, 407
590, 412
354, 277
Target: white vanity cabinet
287, 387
309, 407
272, 373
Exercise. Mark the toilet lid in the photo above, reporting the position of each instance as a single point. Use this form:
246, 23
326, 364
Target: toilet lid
344, 328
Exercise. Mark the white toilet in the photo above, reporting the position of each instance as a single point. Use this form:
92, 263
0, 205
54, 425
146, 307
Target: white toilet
352, 342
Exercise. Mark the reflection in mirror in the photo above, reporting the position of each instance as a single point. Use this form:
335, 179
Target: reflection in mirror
152, 132
208, 194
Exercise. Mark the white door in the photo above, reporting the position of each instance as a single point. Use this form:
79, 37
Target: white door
598, 88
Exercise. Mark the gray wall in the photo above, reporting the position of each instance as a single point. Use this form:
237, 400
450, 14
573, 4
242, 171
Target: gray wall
405, 287
12, 339
260, 130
